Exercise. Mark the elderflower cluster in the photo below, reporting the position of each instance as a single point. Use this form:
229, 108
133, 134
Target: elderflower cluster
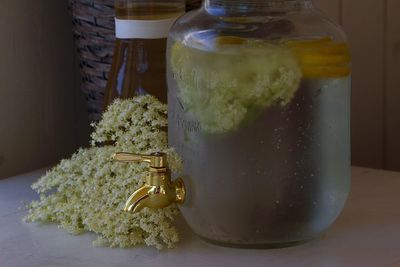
226, 87
88, 191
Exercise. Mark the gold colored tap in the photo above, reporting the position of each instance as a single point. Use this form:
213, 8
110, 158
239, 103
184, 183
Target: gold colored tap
159, 191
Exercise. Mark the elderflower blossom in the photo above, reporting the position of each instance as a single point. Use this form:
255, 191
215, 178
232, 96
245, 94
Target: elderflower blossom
88, 191
222, 88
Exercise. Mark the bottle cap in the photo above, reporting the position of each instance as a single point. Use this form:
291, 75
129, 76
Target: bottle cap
143, 29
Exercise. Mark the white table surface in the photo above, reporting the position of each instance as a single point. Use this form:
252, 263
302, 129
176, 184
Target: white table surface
366, 234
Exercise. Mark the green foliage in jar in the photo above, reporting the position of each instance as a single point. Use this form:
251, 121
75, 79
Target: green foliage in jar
223, 87
88, 191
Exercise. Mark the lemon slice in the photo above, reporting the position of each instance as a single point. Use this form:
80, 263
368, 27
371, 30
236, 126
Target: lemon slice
321, 57
328, 49
306, 44
327, 72
315, 59
229, 40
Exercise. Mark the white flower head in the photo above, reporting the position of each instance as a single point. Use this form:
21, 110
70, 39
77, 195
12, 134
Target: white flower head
88, 191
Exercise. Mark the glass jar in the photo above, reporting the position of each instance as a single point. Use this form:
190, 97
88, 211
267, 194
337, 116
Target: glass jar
138, 66
259, 110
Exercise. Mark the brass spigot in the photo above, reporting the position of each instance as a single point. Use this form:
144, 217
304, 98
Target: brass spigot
159, 191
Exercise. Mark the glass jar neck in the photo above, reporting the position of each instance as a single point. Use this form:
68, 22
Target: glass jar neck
248, 7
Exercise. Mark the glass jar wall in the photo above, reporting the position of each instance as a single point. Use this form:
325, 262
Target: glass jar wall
259, 110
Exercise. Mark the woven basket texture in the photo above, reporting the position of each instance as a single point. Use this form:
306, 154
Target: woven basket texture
94, 33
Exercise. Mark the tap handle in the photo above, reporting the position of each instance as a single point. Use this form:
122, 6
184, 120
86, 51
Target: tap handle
156, 160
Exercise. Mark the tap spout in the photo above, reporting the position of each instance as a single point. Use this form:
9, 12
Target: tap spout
159, 190
156, 196
137, 201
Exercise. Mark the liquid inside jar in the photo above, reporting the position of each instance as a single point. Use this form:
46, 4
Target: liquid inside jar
263, 128
148, 10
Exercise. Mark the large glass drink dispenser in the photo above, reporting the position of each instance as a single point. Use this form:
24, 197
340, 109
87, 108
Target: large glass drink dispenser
259, 109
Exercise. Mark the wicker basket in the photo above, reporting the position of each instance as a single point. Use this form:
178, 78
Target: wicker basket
93, 24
